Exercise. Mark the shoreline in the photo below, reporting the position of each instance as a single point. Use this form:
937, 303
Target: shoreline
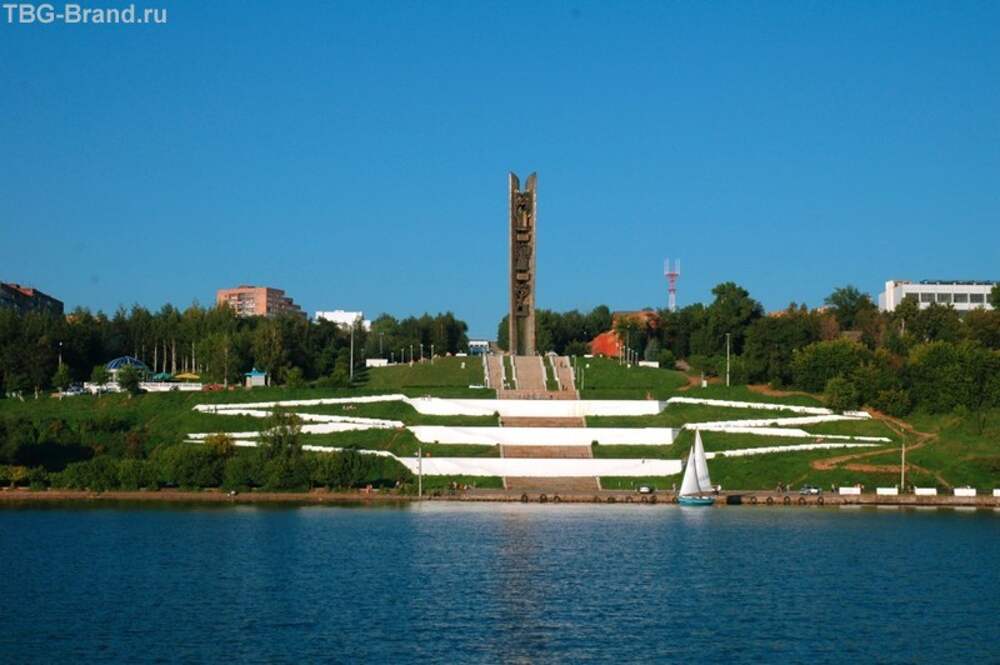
725, 499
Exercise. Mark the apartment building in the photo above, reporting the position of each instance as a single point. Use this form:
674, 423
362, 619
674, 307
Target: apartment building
247, 300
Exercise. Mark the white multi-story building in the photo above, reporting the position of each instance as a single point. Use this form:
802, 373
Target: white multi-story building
962, 295
344, 319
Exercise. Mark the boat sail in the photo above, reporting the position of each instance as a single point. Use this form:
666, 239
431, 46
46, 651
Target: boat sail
696, 483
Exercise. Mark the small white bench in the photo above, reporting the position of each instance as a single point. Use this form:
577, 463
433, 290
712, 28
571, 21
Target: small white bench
887, 491
965, 491
849, 491
925, 491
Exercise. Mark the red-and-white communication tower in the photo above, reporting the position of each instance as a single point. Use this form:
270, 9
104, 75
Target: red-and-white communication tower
672, 273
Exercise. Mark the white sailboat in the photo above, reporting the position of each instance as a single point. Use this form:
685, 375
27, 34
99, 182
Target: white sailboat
696, 488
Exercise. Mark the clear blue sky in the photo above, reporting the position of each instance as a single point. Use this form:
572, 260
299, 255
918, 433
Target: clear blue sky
355, 154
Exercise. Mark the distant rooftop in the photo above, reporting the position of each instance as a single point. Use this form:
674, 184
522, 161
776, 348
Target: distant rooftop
959, 282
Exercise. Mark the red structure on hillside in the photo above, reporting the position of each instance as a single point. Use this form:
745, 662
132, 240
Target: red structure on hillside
608, 344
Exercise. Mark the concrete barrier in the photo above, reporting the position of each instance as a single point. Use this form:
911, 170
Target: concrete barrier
887, 491
849, 491
965, 491
542, 468
925, 491
545, 436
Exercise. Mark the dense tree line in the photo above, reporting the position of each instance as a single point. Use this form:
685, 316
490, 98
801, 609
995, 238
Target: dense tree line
213, 342
934, 358
566, 333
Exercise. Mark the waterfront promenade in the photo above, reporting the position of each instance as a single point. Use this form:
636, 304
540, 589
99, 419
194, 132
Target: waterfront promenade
746, 498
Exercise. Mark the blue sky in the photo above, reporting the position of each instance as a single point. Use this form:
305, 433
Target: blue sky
355, 154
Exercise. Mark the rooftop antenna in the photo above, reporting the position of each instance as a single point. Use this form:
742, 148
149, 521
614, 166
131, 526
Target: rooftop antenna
672, 275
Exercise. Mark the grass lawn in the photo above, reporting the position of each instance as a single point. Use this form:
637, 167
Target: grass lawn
400, 442
635, 452
766, 471
962, 453
744, 394
675, 415
604, 378
398, 411
442, 373
550, 374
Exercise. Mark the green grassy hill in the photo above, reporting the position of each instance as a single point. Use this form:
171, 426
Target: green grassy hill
949, 450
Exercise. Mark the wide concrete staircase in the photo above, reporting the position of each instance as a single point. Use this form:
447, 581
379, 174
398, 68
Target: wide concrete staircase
530, 373
494, 372
548, 452
564, 374
509, 421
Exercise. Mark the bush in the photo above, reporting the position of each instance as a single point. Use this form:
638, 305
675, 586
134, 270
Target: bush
134, 474
287, 473
666, 359
99, 475
293, 378
841, 394
244, 470
894, 401
187, 465
221, 445
577, 349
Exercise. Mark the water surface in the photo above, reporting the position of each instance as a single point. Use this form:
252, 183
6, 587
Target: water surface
498, 583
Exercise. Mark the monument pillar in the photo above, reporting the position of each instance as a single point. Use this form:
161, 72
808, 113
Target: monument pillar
522, 266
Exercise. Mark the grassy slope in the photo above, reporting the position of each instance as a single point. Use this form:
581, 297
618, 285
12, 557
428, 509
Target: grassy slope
442, 373
604, 378
398, 441
960, 453
399, 411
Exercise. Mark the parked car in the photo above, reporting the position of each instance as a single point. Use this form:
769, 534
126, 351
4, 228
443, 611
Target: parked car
809, 490
645, 489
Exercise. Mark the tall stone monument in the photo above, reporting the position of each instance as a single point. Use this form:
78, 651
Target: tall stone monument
522, 265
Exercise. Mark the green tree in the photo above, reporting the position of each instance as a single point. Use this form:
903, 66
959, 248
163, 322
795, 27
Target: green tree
282, 435
983, 326
848, 303
100, 376
61, 380
732, 312
995, 297
269, 350
294, 378
814, 365
128, 379
771, 341
841, 394
937, 323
